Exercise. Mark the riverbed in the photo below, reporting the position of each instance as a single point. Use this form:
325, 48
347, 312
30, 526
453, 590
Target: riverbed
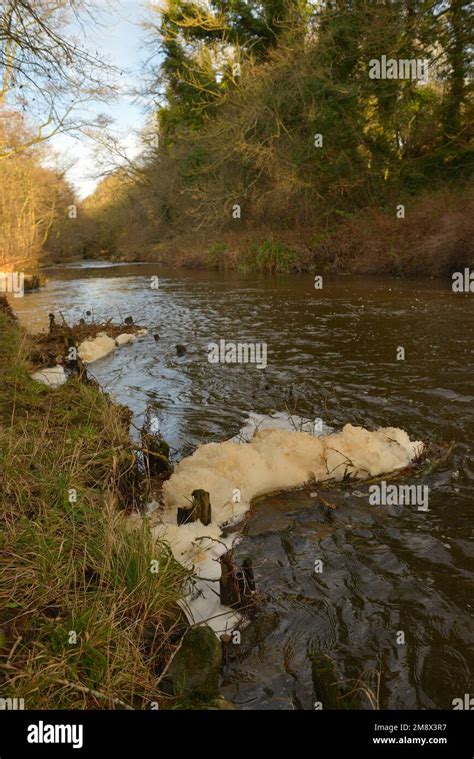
331, 355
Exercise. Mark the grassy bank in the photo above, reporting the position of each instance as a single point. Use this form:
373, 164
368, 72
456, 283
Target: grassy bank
86, 623
435, 237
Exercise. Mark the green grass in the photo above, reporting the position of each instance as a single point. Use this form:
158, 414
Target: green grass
274, 258
86, 623
216, 257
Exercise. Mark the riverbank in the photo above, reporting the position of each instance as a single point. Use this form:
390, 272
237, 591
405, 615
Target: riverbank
319, 348
86, 621
428, 235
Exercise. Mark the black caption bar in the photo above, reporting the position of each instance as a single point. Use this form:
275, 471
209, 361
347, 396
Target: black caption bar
123, 733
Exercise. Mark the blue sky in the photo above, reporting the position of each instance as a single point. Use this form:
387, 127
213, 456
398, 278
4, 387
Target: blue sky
119, 39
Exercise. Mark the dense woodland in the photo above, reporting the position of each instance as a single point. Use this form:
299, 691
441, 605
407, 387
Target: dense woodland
265, 131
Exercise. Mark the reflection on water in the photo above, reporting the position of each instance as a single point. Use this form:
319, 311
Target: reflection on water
381, 575
331, 354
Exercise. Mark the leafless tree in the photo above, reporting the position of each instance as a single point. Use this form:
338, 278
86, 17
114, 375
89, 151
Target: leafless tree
46, 73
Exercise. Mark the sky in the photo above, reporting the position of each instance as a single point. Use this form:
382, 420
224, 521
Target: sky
120, 40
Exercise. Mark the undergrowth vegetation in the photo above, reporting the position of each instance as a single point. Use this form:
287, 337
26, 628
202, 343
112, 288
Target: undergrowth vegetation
270, 127
85, 622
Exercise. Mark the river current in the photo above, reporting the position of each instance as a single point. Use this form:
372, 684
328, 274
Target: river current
393, 608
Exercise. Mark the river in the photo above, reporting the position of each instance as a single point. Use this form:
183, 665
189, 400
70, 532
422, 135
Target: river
332, 354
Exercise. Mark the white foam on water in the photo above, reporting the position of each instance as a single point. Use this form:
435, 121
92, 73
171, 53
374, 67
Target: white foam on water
124, 339
92, 349
268, 454
53, 376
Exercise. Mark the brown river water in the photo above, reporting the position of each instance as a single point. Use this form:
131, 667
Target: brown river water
331, 355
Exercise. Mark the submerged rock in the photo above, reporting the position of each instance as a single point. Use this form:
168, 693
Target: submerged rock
195, 669
221, 704
325, 681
